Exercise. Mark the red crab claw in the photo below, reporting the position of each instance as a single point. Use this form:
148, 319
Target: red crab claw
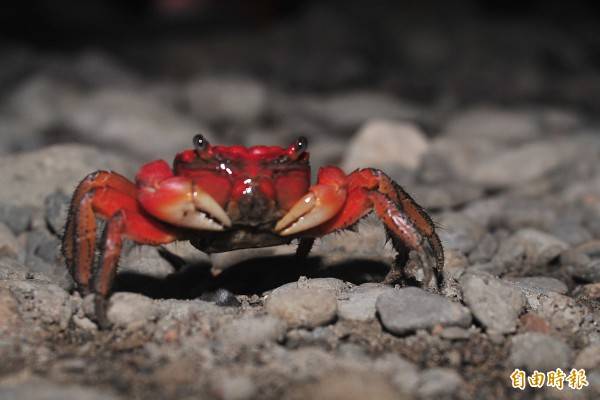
319, 205
179, 201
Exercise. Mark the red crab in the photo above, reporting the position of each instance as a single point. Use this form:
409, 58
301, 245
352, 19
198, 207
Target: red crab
222, 198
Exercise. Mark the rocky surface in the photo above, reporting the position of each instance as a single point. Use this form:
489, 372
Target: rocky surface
512, 186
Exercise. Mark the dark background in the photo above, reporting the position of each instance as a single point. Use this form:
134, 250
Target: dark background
501, 51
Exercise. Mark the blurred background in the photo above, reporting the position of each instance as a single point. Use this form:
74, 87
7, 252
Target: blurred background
141, 76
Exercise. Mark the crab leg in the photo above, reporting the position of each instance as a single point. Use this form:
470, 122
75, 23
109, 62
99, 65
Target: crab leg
365, 190
110, 196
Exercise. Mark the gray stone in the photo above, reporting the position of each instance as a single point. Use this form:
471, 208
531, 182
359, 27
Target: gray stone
29, 177
358, 304
43, 302
9, 245
333, 285
536, 351
233, 99
239, 387
131, 310
408, 309
39, 389
42, 244
460, 232
405, 375
523, 164
496, 304
439, 381
299, 307
485, 249
57, 209
541, 284
351, 109
146, 260
251, 331
493, 124
11, 269
16, 217
588, 358
381, 143
455, 333
132, 122
563, 313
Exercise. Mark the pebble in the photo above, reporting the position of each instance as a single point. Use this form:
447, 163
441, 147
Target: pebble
10, 318
358, 304
494, 303
56, 210
436, 382
588, 358
347, 111
562, 312
590, 291
147, 261
29, 177
405, 310
383, 143
129, 120
523, 164
11, 269
39, 389
532, 322
459, 232
226, 99
44, 302
334, 285
9, 245
131, 310
541, 284
536, 351
221, 297
347, 385
493, 124
252, 331
300, 307
16, 217
238, 387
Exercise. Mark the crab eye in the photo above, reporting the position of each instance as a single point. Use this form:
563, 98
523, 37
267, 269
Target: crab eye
301, 144
200, 143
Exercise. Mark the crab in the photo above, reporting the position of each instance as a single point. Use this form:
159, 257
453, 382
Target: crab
222, 198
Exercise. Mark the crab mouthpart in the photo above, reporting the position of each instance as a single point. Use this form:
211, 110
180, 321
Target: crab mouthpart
316, 207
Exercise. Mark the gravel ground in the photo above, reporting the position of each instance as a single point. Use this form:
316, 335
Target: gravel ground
514, 189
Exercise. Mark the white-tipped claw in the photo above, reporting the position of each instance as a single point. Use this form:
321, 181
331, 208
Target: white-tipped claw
204, 202
316, 207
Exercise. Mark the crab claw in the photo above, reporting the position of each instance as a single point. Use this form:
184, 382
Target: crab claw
180, 202
316, 207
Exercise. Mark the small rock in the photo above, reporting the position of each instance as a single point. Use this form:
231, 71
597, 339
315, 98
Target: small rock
562, 312
541, 284
494, 303
17, 218
590, 291
580, 265
221, 297
405, 310
460, 233
349, 110
485, 249
528, 247
435, 382
147, 261
532, 322
39, 389
251, 331
131, 310
381, 144
43, 302
9, 245
359, 303
10, 319
29, 177
42, 244
236, 387
588, 358
347, 385
405, 375
523, 164
536, 351
307, 308
57, 209
236, 99
11, 269
494, 124
455, 333
333, 285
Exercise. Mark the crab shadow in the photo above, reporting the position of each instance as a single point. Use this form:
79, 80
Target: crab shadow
254, 276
